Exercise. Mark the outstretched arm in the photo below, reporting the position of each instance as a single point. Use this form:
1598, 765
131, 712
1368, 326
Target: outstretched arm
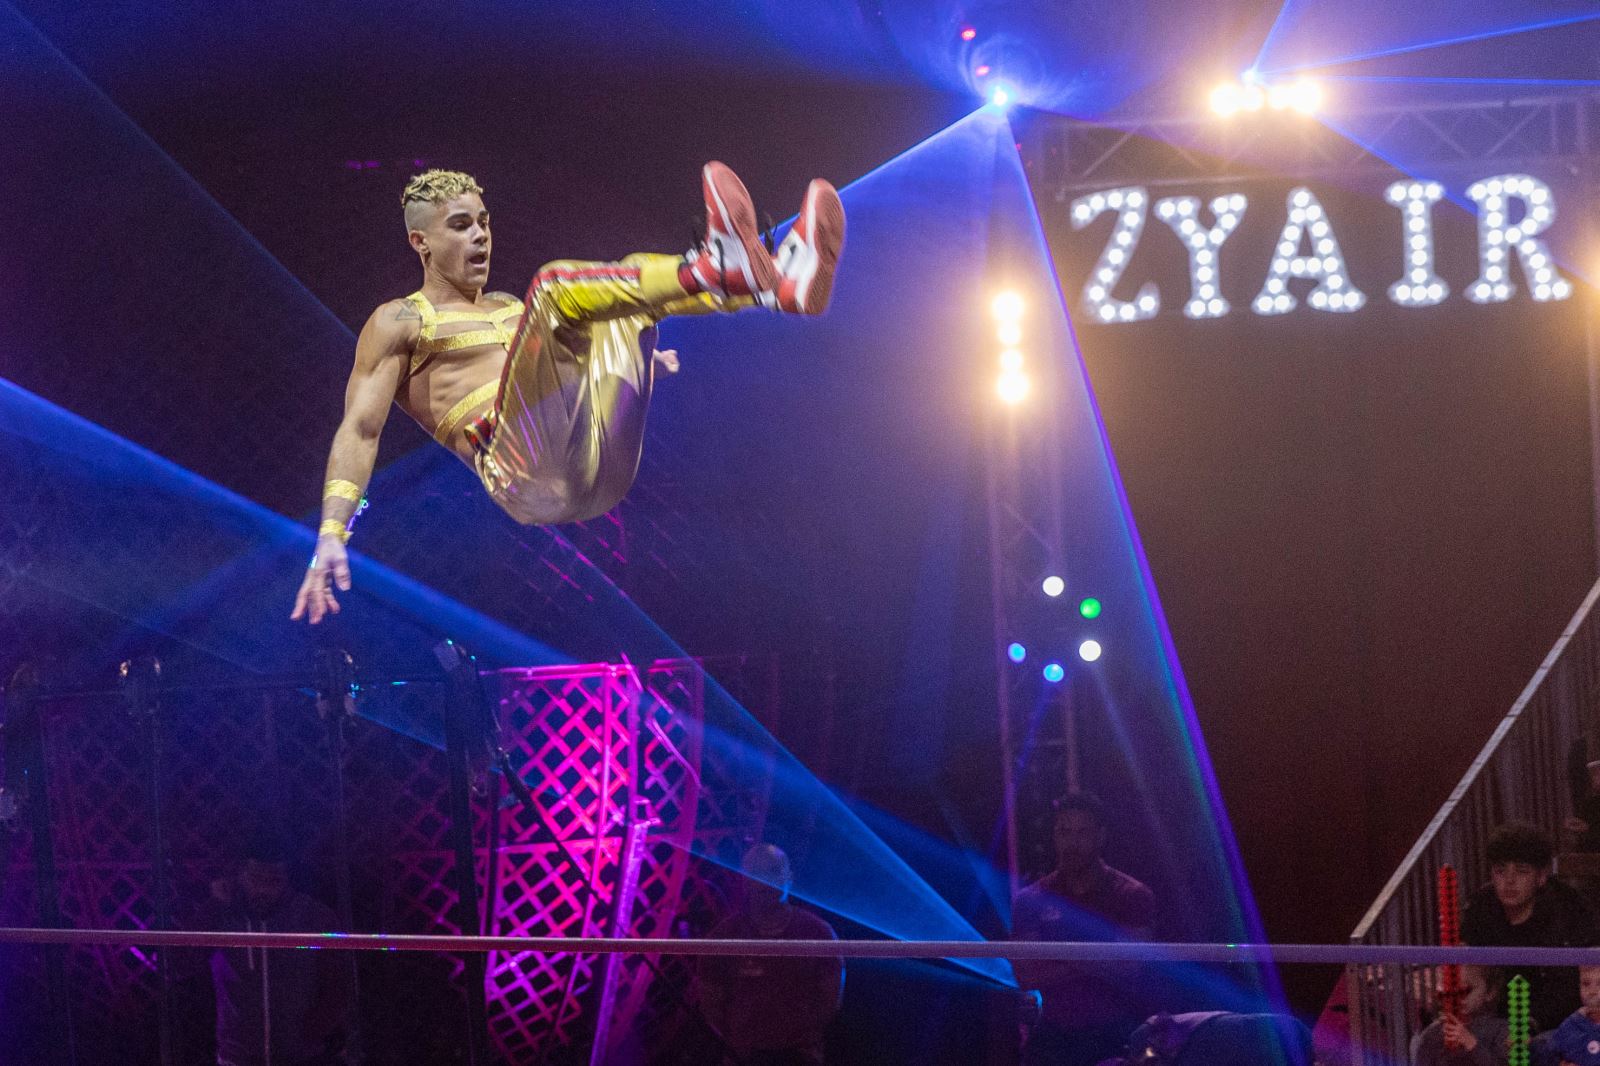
380, 356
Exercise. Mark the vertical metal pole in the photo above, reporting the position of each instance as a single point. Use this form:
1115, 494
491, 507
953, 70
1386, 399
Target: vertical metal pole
1069, 737
140, 680
461, 709
1002, 662
25, 736
336, 703
1591, 318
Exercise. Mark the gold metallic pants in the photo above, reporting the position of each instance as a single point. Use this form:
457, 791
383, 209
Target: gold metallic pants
576, 390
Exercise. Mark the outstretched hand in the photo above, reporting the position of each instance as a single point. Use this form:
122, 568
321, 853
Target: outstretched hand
667, 360
329, 567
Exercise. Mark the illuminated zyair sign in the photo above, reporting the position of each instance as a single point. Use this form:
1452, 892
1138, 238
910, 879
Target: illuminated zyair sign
1307, 248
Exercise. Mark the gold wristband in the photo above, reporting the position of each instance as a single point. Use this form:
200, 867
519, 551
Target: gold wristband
334, 527
342, 489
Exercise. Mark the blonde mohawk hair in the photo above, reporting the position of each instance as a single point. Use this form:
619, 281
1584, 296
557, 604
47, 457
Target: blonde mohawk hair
436, 186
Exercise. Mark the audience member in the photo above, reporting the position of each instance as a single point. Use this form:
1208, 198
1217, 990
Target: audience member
1089, 1008
279, 1007
1577, 1040
770, 1011
1584, 775
1475, 1035
1523, 906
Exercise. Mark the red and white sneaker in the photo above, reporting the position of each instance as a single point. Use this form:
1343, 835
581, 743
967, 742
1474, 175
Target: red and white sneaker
732, 260
809, 255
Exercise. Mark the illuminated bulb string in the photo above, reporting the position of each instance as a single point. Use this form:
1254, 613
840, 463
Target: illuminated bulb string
1497, 235
1205, 245
1421, 287
1131, 205
1324, 263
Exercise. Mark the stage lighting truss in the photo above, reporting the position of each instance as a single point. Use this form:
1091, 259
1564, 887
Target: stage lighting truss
1075, 157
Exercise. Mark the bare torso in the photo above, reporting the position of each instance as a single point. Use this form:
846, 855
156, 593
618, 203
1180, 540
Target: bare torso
431, 388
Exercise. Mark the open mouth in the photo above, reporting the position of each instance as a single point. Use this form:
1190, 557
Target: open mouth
480, 259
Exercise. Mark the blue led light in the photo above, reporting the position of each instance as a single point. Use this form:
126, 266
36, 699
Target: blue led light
1017, 652
1053, 672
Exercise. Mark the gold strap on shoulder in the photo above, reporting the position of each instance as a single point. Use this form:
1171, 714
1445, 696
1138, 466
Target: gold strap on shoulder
424, 307
501, 313
456, 415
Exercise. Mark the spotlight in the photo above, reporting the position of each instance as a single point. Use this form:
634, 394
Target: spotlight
981, 71
1089, 650
1000, 96
1053, 672
968, 33
1016, 652
1306, 96
1013, 387
1226, 98
1089, 608
1249, 94
1007, 306
1053, 586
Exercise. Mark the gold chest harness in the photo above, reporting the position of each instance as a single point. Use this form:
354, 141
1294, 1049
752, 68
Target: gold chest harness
497, 325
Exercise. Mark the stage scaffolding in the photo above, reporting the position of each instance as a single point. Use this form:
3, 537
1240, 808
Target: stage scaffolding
1067, 158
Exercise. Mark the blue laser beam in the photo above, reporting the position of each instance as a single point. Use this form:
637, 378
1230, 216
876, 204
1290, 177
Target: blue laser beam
1279, 23
1417, 79
1442, 42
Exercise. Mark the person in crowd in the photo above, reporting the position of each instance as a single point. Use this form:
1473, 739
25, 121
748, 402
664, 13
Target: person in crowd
1089, 1009
275, 1007
1583, 773
770, 1011
1576, 1041
1473, 1035
1524, 906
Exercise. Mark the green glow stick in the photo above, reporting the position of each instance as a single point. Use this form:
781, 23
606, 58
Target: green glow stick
1517, 1018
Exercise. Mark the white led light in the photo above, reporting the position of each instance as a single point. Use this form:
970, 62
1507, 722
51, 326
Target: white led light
1328, 264
1006, 306
1013, 387
1179, 212
1421, 287
1097, 294
1495, 237
1226, 98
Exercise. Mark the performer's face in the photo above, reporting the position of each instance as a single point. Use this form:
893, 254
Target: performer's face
456, 243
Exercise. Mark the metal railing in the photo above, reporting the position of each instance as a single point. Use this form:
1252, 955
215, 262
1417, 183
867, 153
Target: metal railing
1520, 774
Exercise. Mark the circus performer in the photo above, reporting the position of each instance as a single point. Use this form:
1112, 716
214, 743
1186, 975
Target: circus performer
546, 397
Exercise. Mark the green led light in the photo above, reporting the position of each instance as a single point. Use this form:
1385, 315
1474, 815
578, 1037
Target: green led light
1089, 608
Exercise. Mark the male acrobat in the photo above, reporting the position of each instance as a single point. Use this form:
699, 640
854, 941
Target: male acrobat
545, 398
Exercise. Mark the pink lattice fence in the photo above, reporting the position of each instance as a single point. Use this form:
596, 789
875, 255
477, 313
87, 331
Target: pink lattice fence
602, 747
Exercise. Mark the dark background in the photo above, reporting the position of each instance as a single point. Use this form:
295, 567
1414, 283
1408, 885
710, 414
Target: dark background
1366, 529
